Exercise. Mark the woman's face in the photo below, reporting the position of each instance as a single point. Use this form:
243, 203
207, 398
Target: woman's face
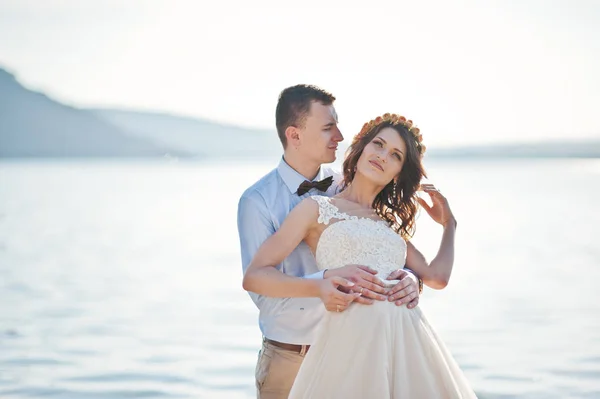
383, 157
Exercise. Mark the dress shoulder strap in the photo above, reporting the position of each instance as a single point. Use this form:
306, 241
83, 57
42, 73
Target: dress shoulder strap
328, 211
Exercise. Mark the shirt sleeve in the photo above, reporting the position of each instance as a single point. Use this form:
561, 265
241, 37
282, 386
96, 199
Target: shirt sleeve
254, 227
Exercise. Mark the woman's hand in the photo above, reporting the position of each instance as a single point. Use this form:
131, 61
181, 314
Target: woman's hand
440, 210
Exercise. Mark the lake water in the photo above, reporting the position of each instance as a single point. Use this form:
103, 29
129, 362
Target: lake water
123, 279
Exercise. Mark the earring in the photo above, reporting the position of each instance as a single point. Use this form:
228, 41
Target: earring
394, 190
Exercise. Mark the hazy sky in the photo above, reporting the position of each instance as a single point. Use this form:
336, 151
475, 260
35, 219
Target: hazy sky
464, 71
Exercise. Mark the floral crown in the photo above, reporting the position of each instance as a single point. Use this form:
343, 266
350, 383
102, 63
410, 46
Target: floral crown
395, 120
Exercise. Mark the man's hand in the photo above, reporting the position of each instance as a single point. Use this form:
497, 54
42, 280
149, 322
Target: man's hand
366, 284
333, 298
407, 289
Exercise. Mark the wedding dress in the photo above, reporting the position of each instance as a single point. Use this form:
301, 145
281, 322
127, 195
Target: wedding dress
374, 351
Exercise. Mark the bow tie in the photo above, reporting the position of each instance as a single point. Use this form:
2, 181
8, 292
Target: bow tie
322, 185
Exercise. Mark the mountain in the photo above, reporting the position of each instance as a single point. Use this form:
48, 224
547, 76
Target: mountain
34, 125
200, 137
214, 140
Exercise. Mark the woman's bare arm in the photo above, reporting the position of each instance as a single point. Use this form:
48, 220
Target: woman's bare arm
262, 276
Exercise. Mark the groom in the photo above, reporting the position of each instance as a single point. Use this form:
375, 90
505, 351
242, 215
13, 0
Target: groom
306, 123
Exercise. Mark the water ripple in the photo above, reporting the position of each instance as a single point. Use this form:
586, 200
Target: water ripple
28, 361
130, 377
40, 392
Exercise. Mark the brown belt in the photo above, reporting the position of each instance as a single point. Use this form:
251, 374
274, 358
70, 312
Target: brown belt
289, 347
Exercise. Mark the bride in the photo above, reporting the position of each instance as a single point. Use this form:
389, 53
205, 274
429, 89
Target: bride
378, 351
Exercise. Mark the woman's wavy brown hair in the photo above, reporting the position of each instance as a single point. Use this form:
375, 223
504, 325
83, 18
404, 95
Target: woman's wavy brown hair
397, 202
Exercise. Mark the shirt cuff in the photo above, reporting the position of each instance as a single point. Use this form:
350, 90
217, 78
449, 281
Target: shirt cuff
316, 276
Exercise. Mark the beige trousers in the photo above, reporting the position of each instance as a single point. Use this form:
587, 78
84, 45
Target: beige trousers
276, 371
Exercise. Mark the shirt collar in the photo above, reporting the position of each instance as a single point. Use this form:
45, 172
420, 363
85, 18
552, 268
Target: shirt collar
292, 178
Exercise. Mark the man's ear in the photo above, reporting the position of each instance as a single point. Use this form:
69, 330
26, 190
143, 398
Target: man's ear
293, 136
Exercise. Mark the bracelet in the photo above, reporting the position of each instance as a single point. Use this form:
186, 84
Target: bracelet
419, 280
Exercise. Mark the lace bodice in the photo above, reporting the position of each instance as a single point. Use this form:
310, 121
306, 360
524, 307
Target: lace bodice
357, 240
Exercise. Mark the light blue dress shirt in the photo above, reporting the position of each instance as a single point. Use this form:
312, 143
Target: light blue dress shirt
261, 211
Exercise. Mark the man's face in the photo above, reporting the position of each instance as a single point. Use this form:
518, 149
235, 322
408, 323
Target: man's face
319, 137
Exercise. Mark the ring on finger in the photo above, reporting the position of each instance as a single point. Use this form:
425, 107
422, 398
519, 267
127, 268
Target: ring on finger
338, 308
361, 290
